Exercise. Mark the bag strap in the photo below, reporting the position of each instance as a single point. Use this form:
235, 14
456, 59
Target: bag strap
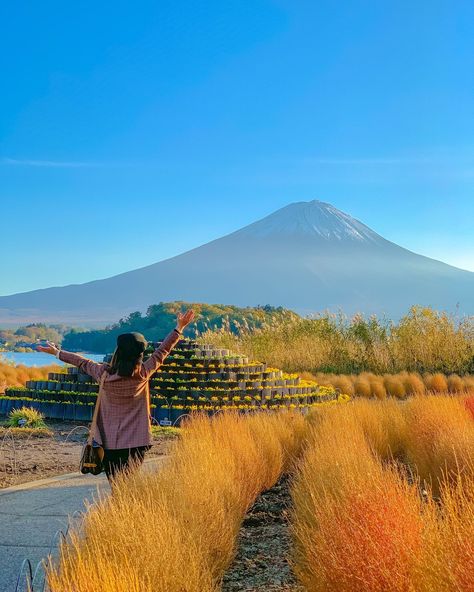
96, 408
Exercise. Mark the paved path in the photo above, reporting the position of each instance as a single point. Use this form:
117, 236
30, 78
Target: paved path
31, 516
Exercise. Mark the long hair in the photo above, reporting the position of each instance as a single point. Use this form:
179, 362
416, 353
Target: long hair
128, 354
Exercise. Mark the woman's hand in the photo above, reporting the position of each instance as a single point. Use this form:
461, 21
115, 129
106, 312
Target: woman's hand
50, 348
184, 319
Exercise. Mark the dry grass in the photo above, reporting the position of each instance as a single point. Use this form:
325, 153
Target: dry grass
457, 535
384, 427
177, 529
423, 341
383, 502
440, 439
469, 404
361, 524
26, 433
399, 386
357, 526
17, 375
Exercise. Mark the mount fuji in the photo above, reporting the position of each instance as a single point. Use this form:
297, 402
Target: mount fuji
307, 256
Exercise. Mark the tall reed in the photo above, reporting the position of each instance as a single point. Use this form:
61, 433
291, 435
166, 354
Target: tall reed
422, 341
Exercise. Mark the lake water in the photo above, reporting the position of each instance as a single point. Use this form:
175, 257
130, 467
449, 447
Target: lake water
40, 358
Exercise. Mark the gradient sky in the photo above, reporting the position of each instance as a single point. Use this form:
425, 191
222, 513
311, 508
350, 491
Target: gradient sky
130, 132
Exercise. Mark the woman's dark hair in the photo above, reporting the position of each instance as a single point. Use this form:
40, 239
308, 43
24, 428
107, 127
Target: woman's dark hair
128, 354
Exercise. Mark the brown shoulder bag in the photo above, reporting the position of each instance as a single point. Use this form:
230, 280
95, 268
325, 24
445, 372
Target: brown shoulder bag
92, 456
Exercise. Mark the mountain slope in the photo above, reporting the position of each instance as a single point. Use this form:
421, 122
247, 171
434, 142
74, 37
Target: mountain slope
307, 256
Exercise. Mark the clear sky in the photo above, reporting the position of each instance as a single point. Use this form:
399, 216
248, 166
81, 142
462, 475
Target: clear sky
132, 131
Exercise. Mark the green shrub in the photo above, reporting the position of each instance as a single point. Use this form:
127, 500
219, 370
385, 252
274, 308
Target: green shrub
165, 431
33, 418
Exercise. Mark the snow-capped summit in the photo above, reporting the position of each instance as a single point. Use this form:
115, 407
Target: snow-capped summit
311, 218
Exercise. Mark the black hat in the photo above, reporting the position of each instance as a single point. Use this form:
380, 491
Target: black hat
132, 343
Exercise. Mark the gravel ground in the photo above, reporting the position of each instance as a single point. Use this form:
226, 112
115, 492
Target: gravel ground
264, 547
27, 459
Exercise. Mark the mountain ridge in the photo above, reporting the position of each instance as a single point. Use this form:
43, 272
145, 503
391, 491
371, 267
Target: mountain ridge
306, 256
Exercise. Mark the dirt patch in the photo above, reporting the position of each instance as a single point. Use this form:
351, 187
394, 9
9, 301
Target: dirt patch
264, 547
30, 458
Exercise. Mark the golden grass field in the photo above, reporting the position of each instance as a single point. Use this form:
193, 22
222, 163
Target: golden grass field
176, 530
382, 501
382, 487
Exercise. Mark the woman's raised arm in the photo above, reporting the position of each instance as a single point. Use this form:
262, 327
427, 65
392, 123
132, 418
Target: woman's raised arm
159, 355
87, 366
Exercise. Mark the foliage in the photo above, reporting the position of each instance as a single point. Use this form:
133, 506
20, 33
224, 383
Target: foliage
165, 431
160, 319
32, 333
440, 439
31, 417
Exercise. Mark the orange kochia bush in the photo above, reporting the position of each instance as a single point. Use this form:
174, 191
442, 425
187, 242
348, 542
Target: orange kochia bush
384, 498
17, 375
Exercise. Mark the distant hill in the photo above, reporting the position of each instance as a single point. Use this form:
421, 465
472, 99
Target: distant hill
160, 319
307, 256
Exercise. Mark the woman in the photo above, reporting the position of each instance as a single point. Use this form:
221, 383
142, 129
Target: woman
123, 423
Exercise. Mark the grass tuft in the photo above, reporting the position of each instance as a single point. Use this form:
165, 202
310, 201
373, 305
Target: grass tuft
26, 417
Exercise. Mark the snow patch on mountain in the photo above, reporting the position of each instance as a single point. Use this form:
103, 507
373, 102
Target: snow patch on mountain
314, 219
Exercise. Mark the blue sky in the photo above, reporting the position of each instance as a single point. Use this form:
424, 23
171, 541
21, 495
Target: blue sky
130, 132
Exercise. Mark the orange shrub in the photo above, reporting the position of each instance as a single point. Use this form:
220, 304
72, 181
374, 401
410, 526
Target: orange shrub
457, 533
399, 385
394, 386
455, 384
383, 425
469, 404
360, 524
377, 388
362, 387
176, 529
370, 541
449, 540
440, 438
17, 375
468, 382
437, 383
356, 526
413, 383
344, 384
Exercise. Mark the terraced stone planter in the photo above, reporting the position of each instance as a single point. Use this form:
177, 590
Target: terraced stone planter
83, 412
194, 376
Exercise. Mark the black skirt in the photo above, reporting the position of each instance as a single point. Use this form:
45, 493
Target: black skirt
119, 459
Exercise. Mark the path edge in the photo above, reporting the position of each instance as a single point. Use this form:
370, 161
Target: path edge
58, 478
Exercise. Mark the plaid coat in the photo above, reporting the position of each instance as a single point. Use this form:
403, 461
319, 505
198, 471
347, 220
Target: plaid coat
124, 412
